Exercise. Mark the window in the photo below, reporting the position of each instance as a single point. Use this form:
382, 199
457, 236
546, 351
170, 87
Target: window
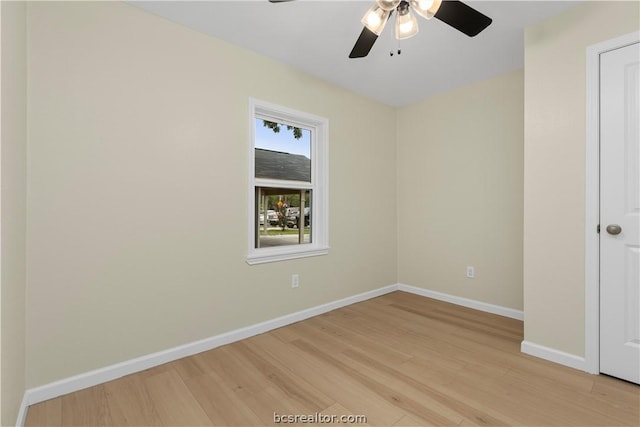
288, 184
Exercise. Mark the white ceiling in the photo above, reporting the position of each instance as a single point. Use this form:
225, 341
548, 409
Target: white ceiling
317, 36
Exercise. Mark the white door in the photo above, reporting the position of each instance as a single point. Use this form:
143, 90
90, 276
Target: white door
620, 213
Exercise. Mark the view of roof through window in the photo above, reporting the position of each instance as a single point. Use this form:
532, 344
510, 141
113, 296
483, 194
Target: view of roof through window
283, 140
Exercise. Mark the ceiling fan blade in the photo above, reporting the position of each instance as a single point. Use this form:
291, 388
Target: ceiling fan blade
279, 1
462, 17
363, 44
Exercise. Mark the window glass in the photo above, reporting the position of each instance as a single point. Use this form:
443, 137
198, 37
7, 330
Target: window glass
282, 151
279, 217
289, 191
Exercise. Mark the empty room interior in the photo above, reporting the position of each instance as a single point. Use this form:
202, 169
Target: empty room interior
282, 212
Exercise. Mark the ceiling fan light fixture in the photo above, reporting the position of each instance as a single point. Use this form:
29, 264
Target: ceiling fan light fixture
426, 8
406, 23
375, 19
388, 5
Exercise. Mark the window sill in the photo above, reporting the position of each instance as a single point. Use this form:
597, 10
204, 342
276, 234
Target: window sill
262, 256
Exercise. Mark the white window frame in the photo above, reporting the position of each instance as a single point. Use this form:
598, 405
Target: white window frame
319, 185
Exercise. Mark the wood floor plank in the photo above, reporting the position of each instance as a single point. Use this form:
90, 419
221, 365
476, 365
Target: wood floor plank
294, 387
428, 304
553, 374
390, 332
418, 402
376, 385
47, 413
89, 407
273, 402
431, 370
135, 405
310, 332
377, 349
223, 406
417, 332
354, 396
613, 390
238, 373
579, 401
407, 421
286, 334
191, 367
175, 404
492, 395
399, 359
467, 407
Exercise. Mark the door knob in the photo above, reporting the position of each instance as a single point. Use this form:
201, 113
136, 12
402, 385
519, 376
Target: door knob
614, 229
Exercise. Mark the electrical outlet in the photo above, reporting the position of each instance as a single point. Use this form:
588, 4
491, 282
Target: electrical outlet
471, 272
295, 280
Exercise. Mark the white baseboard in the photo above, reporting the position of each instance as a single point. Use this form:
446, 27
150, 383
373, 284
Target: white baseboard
553, 355
112, 372
22, 413
465, 302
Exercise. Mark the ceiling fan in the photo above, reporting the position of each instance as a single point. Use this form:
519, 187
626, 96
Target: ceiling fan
452, 12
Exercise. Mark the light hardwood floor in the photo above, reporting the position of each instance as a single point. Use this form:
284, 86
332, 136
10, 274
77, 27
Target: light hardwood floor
399, 360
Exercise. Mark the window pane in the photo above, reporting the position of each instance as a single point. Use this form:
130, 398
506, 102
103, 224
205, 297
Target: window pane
279, 220
282, 152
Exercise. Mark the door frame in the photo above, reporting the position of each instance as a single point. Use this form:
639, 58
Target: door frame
592, 198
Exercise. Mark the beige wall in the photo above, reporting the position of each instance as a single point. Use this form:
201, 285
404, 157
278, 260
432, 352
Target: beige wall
137, 202
554, 214
460, 191
13, 148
